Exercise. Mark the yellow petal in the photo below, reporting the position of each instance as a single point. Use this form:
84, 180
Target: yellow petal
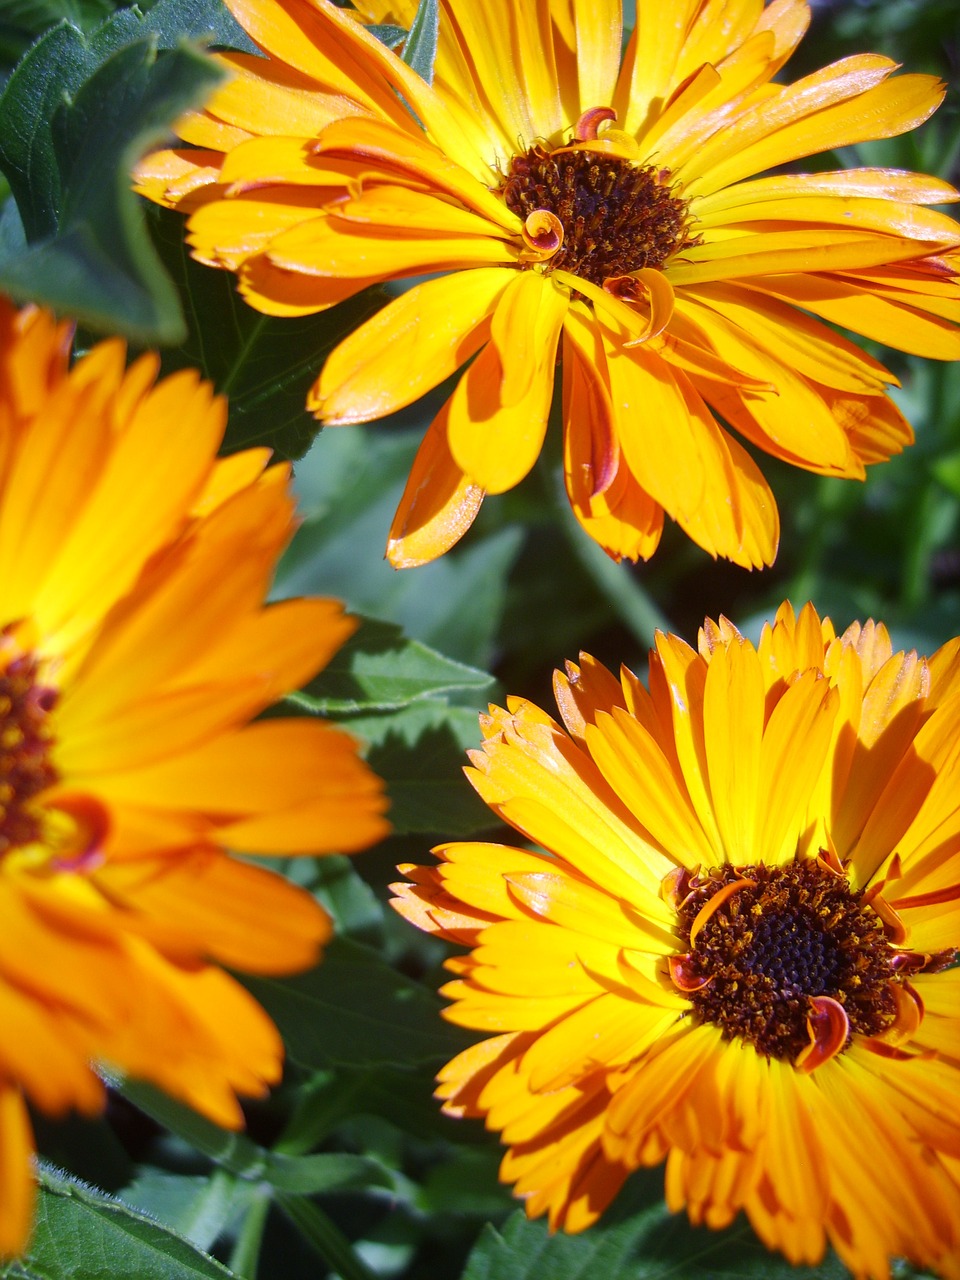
336, 248
733, 694
245, 916
774, 252
793, 754
227, 232
263, 96
598, 27
498, 413
648, 66
746, 328
17, 1189
439, 503
278, 292
847, 102
408, 347
606, 498
893, 318
381, 148
638, 771
686, 463
844, 184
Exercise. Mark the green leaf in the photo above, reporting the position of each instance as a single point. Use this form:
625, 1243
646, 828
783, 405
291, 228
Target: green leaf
265, 364
420, 754
235, 1152
634, 1241
245, 1159
198, 1208
81, 1234
325, 1172
74, 117
209, 21
378, 669
326, 1238
349, 485
947, 471
348, 898
388, 33
354, 1010
21, 21
420, 49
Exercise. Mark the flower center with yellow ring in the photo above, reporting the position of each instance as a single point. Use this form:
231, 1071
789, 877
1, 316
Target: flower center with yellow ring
617, 217
779, 938
25, 741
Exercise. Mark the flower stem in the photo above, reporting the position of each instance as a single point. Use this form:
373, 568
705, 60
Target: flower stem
328, 1240
246, 1251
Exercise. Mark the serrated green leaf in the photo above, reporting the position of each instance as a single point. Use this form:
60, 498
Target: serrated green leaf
209, 21
247, 1161
420, 754
74, 117
325, 1172
420, 48
355, 1010
350, 483
265, 364
635, 1240
198, 1208
388, 33
232, 1151
348, 898
21, 21
80, 1234
379, 669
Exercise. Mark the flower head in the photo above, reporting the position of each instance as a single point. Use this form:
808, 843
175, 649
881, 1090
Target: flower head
569, 204
134, 649
733, 953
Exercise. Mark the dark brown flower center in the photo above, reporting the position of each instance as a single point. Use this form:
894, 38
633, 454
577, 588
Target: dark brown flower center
617, 216
25, 740
779, 937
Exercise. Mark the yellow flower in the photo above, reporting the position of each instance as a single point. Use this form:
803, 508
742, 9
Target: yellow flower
732, 953
134, 649
575, 205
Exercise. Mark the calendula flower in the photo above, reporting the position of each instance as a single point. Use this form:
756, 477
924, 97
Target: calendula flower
733, 952
134, 649
565, 201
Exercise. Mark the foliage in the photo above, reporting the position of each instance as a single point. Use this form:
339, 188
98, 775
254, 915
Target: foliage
350, 1165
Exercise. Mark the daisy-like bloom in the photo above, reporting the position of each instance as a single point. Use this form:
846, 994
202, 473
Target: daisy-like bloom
134, 649
734, 953
569, 204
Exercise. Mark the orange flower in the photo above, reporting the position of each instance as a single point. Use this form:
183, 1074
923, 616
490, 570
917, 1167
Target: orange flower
134, 648
573, 203
732, 953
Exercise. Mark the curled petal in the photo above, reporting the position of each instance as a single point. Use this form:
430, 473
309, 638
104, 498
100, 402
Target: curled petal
909, 1015
675, 887
653, 292
586, 128
684, 976
830, 859
883, 1049
829, 1029
716, 902
923, 961
542, 233
78, 826
894, 927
